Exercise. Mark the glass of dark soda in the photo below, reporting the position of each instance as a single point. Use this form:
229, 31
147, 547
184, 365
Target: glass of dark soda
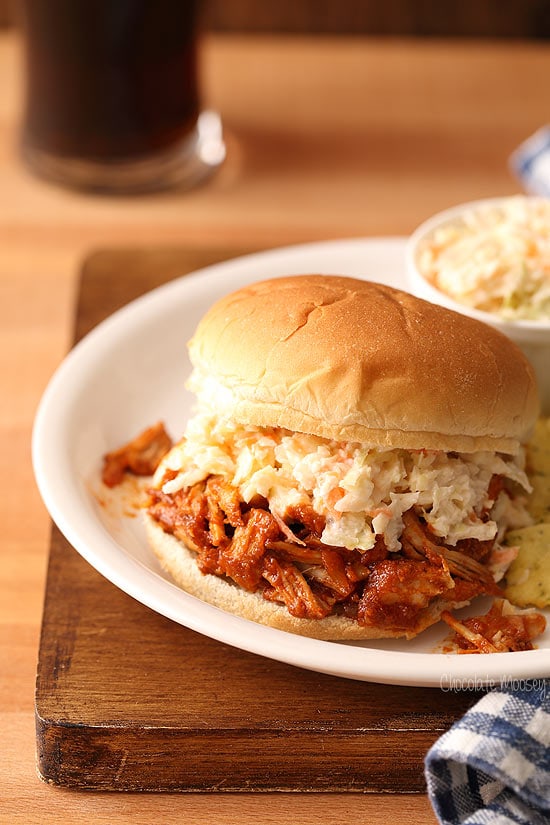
112, 95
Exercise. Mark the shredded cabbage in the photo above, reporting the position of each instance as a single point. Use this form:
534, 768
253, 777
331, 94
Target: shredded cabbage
362, 492
495, 258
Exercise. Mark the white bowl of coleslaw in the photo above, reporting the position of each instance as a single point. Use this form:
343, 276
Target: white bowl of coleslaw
490, 259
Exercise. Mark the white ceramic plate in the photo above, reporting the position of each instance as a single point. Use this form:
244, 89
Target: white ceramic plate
128, 373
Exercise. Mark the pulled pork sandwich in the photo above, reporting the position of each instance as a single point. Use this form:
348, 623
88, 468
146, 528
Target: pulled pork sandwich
353, 463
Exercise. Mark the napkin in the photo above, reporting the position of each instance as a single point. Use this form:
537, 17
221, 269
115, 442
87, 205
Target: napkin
493, 765
530, 163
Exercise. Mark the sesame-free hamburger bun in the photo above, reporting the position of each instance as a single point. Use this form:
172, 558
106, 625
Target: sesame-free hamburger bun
352, 360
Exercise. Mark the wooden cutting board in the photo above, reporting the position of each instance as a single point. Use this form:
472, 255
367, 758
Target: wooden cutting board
128, 700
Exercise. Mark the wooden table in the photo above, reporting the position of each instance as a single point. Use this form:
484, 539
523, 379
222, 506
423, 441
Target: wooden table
327, 138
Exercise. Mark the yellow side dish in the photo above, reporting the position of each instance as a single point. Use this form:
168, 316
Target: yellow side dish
528, 577
538, 470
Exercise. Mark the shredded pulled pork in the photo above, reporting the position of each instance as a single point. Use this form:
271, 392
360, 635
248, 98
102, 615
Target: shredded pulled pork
501, 630
285, 560
141, 456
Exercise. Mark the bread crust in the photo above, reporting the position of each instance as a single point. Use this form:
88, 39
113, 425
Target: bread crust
348, 359
180, 563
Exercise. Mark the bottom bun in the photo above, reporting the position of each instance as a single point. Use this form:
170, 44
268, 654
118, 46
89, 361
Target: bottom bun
180, 562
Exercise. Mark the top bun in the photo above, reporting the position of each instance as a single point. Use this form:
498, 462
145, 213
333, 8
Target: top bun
351, 360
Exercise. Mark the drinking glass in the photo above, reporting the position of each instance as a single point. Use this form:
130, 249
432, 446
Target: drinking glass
112, 95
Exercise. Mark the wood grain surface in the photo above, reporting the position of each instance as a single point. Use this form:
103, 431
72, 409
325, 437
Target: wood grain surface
470, 18
327, 138
122, 692
128, 700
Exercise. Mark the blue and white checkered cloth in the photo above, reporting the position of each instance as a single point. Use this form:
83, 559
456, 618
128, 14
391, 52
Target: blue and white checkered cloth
493, 766
531, 163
